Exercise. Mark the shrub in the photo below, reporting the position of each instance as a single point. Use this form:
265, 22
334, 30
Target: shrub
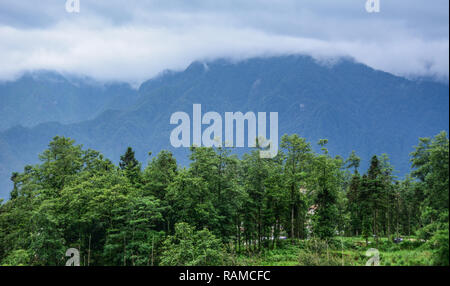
318, 253
189, 247
17, 258
440, 245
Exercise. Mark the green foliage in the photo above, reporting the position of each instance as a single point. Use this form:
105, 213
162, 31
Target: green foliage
327, 175
353, 161
297, 163
439, 243
130, 166
298, 86
188, 247
431, 168
290, 210
60, 163
191, 201
19, 257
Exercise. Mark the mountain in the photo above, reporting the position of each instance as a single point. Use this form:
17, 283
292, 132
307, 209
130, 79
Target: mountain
352, 105
44, 96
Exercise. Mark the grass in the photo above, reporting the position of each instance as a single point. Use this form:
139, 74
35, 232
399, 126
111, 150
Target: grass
346, 251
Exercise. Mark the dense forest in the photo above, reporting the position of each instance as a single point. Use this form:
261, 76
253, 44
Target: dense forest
304, 206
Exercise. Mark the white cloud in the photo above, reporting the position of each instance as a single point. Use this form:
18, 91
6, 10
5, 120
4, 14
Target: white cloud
137, 41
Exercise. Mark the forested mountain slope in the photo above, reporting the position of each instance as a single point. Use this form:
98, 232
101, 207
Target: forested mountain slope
352, 105
44, 96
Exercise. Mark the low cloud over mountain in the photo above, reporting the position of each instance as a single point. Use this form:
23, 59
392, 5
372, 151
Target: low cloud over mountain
133, 41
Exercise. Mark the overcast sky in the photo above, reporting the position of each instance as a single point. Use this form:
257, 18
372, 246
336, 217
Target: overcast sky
134, 40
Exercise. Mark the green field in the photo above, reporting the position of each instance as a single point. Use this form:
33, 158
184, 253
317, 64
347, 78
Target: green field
350, 252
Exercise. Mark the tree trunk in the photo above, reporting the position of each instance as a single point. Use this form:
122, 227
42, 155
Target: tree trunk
292, 222
376, 227
89, 251
124, 253
388, 225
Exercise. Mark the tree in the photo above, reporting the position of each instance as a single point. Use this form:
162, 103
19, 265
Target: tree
276, 200
20, 257
390, 197
297, 161
220, 172
169, 215
47, 238
354, 204
127, 160
327, 181
144, 214
365, 203
191, 202
60, 163
130, 166
188, 247
157, 177
375, 188
431, 169
353, 161
440, 245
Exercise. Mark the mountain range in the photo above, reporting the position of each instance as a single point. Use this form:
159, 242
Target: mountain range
354, 106
46, 96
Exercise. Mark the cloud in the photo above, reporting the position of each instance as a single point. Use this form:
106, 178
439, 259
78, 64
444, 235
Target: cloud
135, 40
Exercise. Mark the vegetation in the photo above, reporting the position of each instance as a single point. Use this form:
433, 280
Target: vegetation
341, 100
299, 208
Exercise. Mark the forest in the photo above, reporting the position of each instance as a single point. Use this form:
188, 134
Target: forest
299, 208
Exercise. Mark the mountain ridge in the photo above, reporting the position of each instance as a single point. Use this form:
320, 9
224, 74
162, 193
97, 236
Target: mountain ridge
44, 96
352, 105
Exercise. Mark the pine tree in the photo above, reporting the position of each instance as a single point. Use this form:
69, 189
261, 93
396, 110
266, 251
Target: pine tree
375, 188
131, 166
327, 177
298, 159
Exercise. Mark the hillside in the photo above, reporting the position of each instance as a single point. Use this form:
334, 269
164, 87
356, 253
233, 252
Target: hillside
44, 96
352, 105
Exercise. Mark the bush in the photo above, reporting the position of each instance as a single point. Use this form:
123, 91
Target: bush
193, 248
17, 258
439, 243
318, 253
